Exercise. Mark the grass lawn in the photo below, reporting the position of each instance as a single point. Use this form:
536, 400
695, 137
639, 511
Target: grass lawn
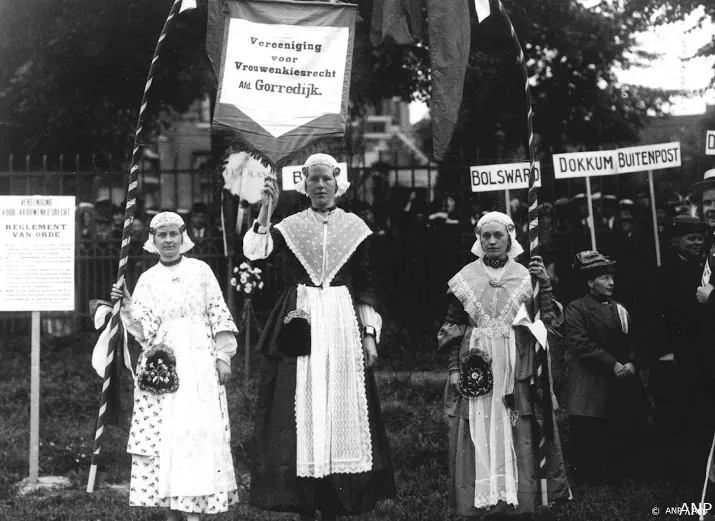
70, 393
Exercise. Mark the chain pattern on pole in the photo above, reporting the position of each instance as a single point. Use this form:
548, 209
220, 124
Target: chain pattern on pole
540, 380
114, 338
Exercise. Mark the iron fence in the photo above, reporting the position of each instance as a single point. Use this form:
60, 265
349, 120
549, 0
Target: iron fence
100, 188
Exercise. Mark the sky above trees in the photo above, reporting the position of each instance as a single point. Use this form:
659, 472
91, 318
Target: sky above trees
72, 71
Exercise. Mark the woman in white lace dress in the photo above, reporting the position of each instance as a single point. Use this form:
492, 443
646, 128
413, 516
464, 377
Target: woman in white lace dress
488, 397
179, 436
320, 443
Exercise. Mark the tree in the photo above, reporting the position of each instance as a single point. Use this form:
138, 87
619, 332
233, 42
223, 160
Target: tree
72, 71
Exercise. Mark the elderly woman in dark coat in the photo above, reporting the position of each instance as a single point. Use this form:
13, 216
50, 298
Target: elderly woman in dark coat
606, 400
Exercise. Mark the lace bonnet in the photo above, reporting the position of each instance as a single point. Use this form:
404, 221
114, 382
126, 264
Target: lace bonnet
168, 219
504, 220
330, 162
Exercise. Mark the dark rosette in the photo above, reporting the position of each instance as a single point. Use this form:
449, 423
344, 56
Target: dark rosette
475, 375
159, 373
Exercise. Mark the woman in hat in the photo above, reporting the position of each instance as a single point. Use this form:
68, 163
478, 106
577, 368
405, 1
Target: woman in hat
605, 396
488, 398
179, 436
320, 443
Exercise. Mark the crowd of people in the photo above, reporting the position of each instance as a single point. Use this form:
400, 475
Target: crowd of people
319, 441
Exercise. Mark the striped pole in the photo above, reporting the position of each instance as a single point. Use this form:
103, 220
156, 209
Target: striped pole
114, 338
540, 380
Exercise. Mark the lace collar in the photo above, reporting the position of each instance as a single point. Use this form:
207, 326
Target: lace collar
323, 242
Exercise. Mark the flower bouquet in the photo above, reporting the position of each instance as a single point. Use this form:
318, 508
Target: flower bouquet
159, 373
247, 280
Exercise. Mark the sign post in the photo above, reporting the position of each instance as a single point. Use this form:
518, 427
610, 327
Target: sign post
591, 220
586, 164
650, 157
507, 176
36, 274
615, 162
35, 398
654, 216
710, 143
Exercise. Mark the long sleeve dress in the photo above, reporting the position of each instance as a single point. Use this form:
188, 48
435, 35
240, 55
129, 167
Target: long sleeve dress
180, 442
320, 443
493, 463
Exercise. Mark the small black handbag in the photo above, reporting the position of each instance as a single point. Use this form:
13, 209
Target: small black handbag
294, 336
159, 373
476, 378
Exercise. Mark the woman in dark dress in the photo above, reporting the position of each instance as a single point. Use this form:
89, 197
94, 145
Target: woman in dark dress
319, 439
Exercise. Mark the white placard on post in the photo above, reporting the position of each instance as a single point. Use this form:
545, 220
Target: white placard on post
585, 164
620, 161
648, 157
509, 176
37, 234
292, 175
710, 143
37, 268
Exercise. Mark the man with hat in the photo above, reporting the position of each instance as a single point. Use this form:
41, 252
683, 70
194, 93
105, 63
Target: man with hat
606, 399
703, 195
679, 320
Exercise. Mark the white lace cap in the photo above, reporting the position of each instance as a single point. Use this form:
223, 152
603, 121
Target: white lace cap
168, 219
504, 220
330, 162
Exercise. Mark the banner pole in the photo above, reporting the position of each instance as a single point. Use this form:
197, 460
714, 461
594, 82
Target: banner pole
247, 341
35, 398
130, 209
507, 202
654, 214
591, 220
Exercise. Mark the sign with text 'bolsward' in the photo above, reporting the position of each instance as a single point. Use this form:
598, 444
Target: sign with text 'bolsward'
292, 175
509, 176
614, 162
285, 72
710, 143
37, 234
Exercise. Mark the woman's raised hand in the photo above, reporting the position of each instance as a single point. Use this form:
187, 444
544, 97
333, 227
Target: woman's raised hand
269, 193
121, 293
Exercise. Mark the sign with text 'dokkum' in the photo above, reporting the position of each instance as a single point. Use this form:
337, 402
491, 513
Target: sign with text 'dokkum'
284, 72
509, 176
620, 161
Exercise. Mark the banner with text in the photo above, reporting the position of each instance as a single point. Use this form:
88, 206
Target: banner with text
285, 70
37, 266
710, 143
509, 176
292, 175
620, 161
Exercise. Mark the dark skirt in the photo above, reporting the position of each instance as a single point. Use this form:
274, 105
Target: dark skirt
274, 481
462, 471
